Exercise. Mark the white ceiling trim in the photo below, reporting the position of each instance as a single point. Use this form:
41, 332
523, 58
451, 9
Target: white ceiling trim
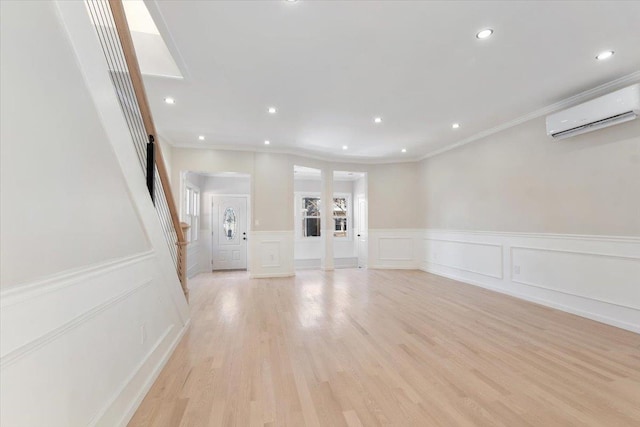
565, 103
292, 152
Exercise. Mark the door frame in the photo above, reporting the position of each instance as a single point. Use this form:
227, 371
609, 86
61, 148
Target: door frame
360, 230
213, 219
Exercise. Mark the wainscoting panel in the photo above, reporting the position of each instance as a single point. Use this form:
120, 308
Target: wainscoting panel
602, 277
271, 254
593, 276
107, 328
484, 259
193, 259
394, 248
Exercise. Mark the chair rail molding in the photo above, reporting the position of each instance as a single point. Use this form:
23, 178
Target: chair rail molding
74, 324
597, 277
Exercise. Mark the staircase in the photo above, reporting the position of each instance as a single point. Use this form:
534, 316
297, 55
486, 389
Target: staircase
113, 32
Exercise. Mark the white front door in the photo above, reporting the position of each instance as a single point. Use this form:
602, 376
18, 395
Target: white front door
361, 229
229, 233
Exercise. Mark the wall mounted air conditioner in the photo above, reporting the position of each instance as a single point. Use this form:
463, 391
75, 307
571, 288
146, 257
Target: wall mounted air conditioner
617, 107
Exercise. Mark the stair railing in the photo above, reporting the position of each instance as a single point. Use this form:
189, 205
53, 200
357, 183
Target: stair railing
113, 31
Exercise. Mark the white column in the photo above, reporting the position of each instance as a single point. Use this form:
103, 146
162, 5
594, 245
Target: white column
327, 219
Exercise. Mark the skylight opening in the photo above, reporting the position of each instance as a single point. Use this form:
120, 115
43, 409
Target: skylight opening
154, 56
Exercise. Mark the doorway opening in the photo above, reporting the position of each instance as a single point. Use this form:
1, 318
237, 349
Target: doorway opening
229, 228
350, 214
230, 219
307, 204
348, 221
219, 221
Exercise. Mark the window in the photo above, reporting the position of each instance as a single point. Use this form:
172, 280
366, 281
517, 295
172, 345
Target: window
191, 212
310, 217
341, 217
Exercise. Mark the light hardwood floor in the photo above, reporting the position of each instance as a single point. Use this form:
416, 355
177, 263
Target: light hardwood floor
403, 348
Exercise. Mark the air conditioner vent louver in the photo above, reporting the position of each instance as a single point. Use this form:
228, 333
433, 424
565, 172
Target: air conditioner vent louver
617, 107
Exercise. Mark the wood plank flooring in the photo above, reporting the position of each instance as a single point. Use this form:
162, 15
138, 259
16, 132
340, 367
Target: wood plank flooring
402, 348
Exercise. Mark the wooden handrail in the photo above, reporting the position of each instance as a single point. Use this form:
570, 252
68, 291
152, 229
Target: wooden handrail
124, 34
126, 42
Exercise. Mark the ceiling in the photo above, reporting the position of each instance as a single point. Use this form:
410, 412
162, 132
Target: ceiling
306, 173
331, 67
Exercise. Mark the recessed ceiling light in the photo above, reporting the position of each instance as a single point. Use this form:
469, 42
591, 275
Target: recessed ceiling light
404, 150
267, 142
272, 110
291, 1
605, 55
344, 147
201, 137
378, 120
484, 33
169, 100
455, 125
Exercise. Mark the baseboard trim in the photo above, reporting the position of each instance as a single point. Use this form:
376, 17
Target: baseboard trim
100, 420
316, 263
393, 267
271, 275
568, 309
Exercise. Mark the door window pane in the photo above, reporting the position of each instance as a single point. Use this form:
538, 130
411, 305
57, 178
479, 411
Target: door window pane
229, 224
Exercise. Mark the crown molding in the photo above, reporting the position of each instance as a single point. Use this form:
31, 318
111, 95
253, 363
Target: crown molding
289, 151
560, 105
565, 103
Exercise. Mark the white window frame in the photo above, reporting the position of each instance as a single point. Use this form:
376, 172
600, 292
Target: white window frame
191, 211
349, 216
298, 217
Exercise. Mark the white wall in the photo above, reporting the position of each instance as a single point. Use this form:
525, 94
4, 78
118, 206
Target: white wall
271, 196
514, 182
89, 307
393, 196
360, 187
519, 180
62, 190
555, 222
272, 183
227, 185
